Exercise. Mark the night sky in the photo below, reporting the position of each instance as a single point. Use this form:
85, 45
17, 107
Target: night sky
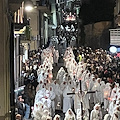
93, 11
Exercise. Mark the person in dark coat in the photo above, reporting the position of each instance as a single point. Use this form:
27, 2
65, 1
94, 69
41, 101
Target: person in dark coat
21, 106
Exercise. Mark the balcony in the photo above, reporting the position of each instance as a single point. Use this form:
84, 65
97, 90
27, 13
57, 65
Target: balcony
44, 6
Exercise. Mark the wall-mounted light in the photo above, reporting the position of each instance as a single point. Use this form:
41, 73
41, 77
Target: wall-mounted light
29, 5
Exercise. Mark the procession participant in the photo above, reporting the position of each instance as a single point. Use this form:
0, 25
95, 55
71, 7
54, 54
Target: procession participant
18, 117
43, 97
41, 77
67, 99
45, 115
91, 84
107, 92
69, 115
77, 98
112, 107
40, 69
107, 117
97, 88
72, 67
96, 113
38, 112
56, 57
85, 96
116, 115
48, 62
85, 115
102, 84
49, 118
63, 85
58, 93
118, 94
60, 74
57, 117
43, 55
71, 84
48, 82
39, 86
114, 92
52, 98
79, 71
65, 77
84, 74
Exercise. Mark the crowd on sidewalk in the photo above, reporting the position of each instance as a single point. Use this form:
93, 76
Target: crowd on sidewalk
97, 70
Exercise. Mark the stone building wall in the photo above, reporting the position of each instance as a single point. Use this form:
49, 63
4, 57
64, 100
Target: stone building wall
97, 35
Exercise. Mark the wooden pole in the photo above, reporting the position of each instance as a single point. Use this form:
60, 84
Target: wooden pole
15, 15
18, 16
81, 101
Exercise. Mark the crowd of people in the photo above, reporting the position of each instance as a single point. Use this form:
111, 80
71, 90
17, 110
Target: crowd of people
98, 71
87, 86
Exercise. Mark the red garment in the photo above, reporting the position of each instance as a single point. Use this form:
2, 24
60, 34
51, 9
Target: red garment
110, 80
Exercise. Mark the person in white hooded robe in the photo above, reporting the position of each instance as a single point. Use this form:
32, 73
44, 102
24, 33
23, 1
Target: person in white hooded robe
96, 113
45, 115
41, 68
39, 95
69, 115
91, 84
72, 67
118, 94
43, 97
63, 85
77, 98
67, 99
98, 95
107, 92
58, 93
37, 113
52, 98
41, 77
60, 75
49, 118
71, 82
65, 77
107, 117
43, 55
112, 107
102, 91
56, 56
116, 115
39, 86
114, 92
57, 117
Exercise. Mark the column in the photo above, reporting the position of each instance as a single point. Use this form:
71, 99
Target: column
17, 60
4, 63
